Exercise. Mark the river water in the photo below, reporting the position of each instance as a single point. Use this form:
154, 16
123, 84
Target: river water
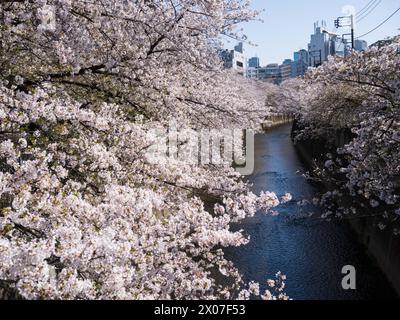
310, 252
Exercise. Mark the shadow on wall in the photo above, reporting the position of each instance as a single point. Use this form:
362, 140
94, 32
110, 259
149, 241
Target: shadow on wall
382, 245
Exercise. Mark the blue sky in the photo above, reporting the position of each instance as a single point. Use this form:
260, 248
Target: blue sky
288, 24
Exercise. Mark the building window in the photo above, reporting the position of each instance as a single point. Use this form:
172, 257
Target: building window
239, 64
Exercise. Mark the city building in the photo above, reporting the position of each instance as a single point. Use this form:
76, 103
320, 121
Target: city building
300, 63
324, 44
318, 48
270, 73
301, 55
257, 73
285, 70
254, 62
338, 46
275, 73
360, 45
234, 59
239, 47
381, 43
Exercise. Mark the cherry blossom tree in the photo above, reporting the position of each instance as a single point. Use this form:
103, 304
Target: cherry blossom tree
360, 95
85, 213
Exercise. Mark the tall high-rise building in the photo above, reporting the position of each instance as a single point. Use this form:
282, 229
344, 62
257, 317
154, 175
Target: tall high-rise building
318, 48
254, 62
324, 44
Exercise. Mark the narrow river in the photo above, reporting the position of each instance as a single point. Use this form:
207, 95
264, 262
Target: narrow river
310, 252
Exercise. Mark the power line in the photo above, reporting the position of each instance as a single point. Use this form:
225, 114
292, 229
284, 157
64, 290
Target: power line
369, 4
381, 24
363, 9
366, 14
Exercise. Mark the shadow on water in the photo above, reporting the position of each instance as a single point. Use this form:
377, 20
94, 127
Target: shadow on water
311, 252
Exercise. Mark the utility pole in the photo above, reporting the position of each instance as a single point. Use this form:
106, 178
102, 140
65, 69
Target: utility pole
339, 23
352, 32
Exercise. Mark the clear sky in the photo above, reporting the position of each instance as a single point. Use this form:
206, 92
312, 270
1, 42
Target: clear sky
288, 24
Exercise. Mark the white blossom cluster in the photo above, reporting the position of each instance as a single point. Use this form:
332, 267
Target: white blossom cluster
359, 94
84, 213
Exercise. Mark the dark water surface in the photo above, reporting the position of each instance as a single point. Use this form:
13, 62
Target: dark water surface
310, 252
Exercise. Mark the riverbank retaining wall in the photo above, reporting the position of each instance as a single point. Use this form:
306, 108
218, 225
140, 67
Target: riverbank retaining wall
276, 120
382, 245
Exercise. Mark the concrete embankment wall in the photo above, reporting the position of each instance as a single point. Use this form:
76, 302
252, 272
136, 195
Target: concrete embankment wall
277, 120
382, 245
